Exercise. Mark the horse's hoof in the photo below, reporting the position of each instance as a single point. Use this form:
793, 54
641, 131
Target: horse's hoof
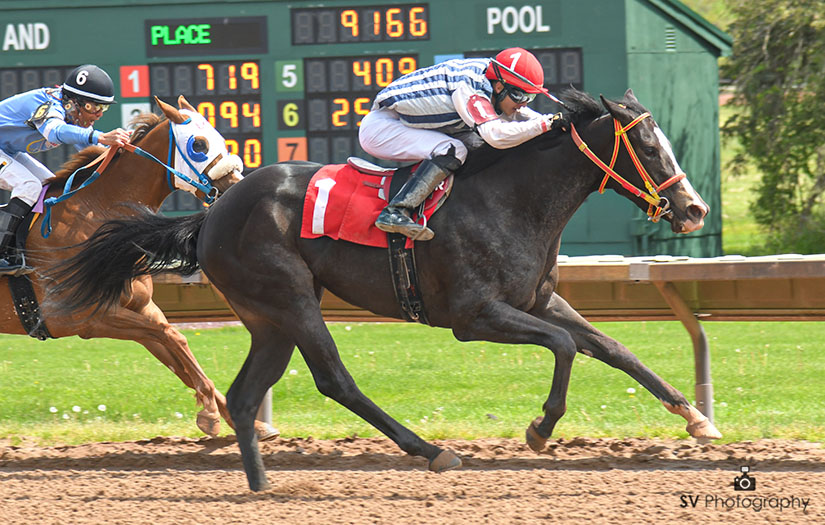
209, 423
703, 430
257, 487
534, 440
445, 461
265, 431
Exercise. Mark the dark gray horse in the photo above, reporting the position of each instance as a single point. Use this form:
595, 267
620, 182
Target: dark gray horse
489, 274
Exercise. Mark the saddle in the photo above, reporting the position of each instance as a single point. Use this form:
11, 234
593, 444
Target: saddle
343, 201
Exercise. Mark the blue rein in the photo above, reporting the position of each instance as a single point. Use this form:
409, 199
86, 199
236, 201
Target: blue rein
204, 185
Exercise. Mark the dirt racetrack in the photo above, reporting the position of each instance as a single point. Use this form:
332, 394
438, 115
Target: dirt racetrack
592, 481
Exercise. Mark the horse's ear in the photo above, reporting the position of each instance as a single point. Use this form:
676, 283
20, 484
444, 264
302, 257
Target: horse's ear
184, 104
630, 97
618, 110
171, 112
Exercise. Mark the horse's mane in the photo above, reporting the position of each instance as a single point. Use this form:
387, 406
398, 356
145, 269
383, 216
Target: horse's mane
581, 109
142, 124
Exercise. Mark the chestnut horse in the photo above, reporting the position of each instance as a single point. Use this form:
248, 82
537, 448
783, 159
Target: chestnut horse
489, 274
131, 178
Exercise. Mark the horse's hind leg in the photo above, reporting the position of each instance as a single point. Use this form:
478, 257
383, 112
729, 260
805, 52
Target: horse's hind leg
303, 323
590, 341
268, 357
334, 381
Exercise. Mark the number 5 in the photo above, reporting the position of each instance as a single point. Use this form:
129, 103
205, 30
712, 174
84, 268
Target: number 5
289, 77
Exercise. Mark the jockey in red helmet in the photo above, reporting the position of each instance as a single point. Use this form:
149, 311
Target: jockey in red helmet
519, 73
417, 117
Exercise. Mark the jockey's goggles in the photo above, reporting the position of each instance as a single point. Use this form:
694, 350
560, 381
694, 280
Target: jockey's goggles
93, 107
518, 95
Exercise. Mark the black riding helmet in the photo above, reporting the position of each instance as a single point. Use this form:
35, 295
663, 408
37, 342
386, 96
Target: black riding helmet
89, 82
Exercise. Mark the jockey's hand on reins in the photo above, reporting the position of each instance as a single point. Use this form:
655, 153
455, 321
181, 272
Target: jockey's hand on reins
559, 121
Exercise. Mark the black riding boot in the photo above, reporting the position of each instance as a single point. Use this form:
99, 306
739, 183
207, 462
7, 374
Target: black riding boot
10, 216
396, 217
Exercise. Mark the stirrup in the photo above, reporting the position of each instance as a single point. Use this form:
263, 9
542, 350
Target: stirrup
392, 219
413, 230
14, 268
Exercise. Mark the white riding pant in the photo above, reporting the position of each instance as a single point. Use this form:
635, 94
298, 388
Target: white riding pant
23, 176
383, 135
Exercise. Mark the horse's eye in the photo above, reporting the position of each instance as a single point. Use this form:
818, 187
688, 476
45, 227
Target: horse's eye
200, 146
649, 151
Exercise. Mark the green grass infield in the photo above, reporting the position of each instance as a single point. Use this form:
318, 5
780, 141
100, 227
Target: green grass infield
768, 383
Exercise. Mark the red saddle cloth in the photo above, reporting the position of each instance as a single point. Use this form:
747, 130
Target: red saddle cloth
343, 203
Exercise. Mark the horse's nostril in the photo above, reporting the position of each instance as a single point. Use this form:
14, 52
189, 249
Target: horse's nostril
696, 213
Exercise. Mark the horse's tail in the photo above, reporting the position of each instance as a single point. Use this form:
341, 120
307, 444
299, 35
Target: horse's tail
121, 250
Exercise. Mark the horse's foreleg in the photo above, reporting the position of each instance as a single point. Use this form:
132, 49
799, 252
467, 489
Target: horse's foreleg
501, 323
590, 341
193, 376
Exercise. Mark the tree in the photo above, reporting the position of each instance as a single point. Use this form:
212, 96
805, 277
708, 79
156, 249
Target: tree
778, 69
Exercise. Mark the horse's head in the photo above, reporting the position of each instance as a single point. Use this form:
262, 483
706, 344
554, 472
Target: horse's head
657, 183
200, 148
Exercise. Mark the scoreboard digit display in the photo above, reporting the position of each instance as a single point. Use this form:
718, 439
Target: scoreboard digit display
321, 25
338, 93
227, 93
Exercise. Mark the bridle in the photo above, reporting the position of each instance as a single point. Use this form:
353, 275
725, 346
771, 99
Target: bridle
657, 206
204, 183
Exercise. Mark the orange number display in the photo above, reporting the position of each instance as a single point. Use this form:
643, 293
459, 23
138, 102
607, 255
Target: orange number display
349, 19
338, 114
252, 153
252, 111
384, 72
207, 109
418, 27
210, 75
395, 27
362, 107
249, 71
361, 68
229, 111
406, 65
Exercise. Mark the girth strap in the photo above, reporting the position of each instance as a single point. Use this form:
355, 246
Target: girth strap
22, 291
27, 307
405, 279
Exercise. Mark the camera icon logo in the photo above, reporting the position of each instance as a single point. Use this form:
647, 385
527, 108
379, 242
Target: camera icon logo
744, 482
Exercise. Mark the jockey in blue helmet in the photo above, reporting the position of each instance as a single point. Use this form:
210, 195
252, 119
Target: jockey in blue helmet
39, 120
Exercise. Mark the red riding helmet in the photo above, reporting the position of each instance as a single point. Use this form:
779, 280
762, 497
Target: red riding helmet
519, 68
